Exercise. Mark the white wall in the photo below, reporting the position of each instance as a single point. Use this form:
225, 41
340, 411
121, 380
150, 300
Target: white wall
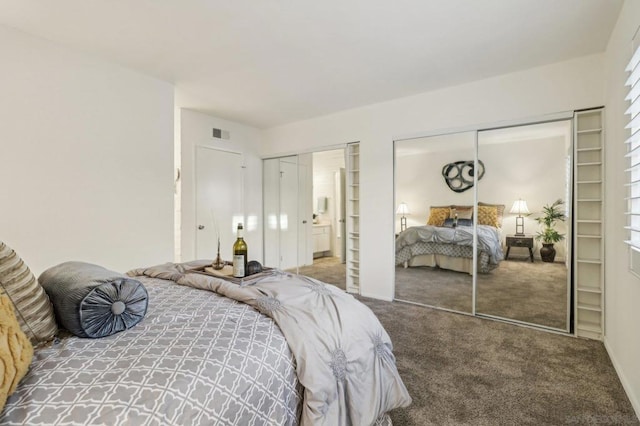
534, 170
85, 158
419, 181
622, 289
196, 130
564, 86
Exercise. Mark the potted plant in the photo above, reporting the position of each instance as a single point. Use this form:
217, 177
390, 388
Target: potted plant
551, 213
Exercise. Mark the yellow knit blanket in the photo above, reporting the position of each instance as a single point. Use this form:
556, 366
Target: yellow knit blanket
15, 350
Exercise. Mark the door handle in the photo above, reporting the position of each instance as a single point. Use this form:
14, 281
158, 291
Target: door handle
201, 227
304, 221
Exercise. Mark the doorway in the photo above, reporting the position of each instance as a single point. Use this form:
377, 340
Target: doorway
328, 229
307, 190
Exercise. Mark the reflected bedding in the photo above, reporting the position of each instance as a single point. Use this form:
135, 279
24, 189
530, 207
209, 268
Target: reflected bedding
451, 242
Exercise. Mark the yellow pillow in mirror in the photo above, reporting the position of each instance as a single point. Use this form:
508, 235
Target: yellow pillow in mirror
499, 207
488, 215
437, 215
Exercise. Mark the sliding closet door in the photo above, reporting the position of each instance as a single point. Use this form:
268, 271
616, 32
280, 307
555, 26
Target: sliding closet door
271, 211
287, 211
528, 169
434, 198
305, 209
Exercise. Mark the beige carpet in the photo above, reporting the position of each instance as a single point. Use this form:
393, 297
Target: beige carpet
435, 287
531, 292
462, 370
326, 269
518, 289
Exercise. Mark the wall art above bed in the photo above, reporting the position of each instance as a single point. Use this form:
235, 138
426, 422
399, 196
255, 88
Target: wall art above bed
460, 175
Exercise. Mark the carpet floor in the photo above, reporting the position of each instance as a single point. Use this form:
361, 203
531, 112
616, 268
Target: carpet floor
530, 292
462, 370
326, 269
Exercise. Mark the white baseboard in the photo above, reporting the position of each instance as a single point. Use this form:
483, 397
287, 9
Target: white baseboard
633, 398
376, 296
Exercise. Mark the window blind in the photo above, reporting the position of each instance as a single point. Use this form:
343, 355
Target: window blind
633, 150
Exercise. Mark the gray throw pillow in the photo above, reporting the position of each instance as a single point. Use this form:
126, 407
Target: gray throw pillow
91, 301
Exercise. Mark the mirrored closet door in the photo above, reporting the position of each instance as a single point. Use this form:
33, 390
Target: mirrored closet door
529, 178
483, 222
434, 203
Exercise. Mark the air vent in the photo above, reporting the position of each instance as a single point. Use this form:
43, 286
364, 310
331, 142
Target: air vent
221, 134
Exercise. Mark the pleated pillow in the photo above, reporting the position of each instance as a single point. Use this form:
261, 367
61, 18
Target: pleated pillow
16, 351
31, 304
91, 301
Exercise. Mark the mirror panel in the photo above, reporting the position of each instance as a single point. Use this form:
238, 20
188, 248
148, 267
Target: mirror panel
527, 168
434, 262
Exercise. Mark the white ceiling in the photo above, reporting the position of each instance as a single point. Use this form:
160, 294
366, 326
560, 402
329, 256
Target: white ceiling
271, 62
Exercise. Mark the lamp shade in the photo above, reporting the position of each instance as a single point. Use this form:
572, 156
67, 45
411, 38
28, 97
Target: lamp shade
403, 209
519, 207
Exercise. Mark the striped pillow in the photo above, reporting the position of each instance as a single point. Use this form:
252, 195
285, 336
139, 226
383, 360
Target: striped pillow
32, 306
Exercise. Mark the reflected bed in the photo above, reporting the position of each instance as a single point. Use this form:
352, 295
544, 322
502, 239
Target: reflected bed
440, 244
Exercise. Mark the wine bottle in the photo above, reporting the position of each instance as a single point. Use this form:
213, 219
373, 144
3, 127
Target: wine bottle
239, 255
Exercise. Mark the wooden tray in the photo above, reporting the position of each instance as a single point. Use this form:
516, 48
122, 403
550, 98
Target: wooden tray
226, 274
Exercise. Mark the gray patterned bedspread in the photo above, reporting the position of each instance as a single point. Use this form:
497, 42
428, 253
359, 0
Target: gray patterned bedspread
197, 358
457, 242
344, 356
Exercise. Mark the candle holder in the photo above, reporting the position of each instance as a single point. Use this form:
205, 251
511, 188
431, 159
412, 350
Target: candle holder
218, 263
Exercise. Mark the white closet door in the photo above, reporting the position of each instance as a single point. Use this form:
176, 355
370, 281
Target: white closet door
288, 219
305, 209
219, 189
287, 189
271, 207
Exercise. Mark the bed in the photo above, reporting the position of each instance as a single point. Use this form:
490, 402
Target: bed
443, 245
282, 349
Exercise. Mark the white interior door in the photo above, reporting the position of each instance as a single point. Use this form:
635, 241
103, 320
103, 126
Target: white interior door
219, 189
